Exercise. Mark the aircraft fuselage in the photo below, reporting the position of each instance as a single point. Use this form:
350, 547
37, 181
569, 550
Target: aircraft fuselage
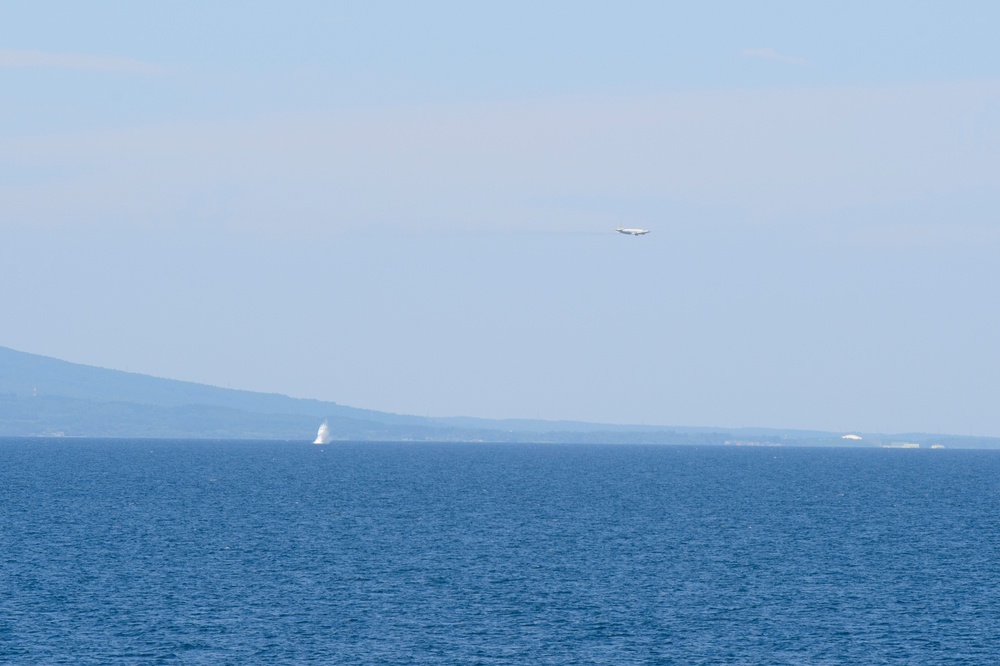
632, 232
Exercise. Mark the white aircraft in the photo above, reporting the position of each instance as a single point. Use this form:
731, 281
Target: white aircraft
632, 232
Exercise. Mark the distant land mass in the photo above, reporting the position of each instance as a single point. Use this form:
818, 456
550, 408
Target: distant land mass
48, 397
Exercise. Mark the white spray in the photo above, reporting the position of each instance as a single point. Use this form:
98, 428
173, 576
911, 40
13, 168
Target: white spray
323, 436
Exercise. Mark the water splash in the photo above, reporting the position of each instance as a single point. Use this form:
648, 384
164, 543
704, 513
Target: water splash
323, 436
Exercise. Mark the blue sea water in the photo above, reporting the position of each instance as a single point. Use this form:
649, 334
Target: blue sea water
222, 552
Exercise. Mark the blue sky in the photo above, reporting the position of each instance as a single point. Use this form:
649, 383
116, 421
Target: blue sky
408, 206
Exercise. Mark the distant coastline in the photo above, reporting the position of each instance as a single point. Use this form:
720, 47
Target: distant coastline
47, 397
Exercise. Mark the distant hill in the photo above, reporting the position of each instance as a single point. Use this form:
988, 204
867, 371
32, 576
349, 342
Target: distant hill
24, 374
42, 396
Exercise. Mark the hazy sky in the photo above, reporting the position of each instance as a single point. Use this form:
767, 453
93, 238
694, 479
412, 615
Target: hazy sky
409, 206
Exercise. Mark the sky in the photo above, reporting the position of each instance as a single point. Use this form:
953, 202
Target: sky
411, 207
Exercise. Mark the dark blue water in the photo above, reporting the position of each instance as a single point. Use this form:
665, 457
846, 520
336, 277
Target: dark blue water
123, 552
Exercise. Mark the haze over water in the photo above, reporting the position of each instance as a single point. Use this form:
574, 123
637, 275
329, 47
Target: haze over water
122, 551
410, 207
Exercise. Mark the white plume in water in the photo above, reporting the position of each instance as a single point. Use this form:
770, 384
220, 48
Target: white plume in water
323, 436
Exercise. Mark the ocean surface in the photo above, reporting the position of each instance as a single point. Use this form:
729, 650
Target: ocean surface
232, 552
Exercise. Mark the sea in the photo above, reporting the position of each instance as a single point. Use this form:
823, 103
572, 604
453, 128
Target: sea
263, 552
